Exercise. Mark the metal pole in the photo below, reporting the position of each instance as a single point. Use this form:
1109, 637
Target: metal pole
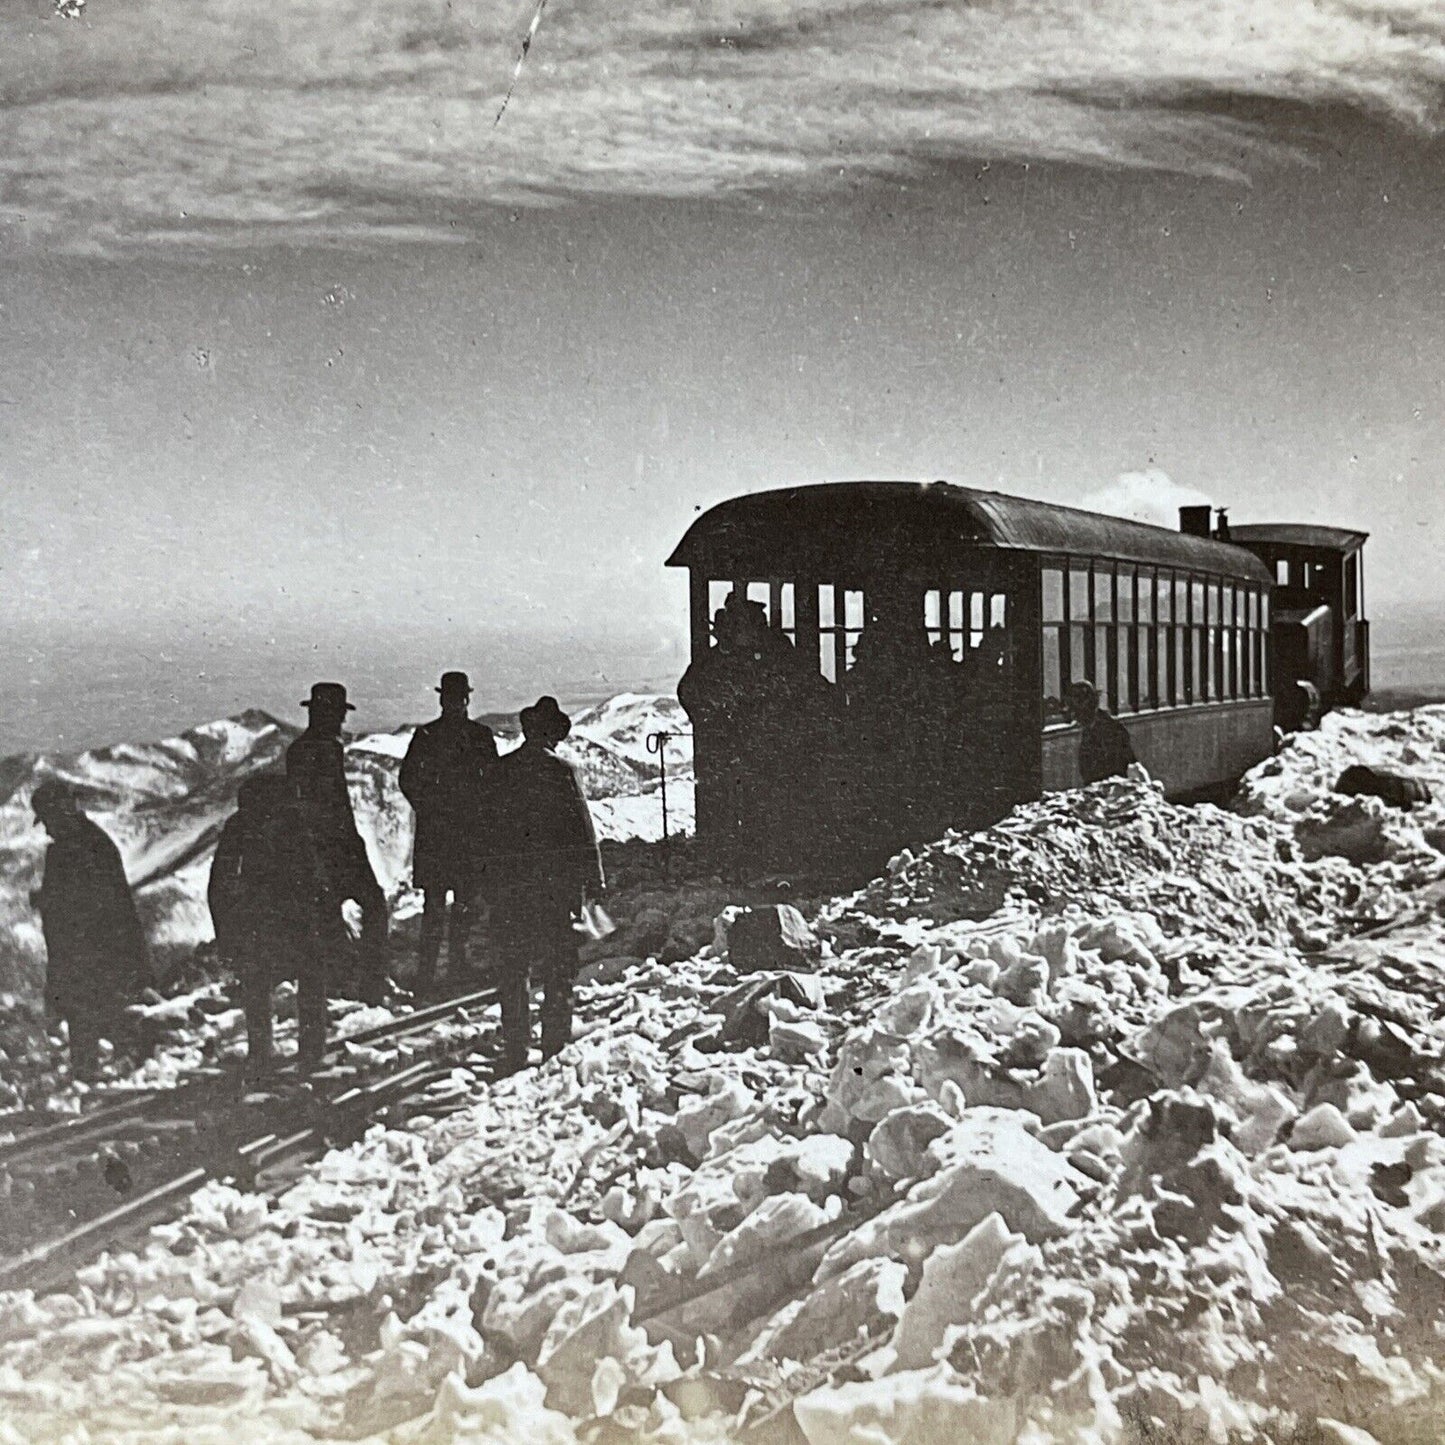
657, 743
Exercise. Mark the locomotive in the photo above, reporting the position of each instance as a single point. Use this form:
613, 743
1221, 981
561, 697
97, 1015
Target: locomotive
876, 661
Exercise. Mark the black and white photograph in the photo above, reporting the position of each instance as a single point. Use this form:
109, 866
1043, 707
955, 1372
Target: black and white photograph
722, 722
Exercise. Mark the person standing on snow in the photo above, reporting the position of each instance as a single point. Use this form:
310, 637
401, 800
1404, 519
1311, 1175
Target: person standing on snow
1104, 747
442, 778
542, 866
265, 895
96, 962
315, 764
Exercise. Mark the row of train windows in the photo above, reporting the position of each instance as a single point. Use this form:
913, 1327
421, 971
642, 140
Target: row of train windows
1151, 638
960, 620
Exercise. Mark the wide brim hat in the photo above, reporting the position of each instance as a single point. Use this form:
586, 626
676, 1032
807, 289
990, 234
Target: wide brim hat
455, 684
545, 718
328, 694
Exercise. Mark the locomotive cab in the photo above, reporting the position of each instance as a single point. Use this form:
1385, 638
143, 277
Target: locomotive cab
1320, 635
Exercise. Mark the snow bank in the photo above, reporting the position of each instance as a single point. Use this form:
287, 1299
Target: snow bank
1111, 1126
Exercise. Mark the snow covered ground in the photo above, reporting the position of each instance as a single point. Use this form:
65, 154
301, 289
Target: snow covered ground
1109, 1124
165, 804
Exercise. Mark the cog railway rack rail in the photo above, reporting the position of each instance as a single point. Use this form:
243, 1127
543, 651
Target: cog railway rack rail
70, 1190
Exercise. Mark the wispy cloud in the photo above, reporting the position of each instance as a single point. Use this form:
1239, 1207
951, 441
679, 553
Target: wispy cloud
242, 120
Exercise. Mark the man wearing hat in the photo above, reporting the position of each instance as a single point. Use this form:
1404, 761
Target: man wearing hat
1105, 750
541, 866
265, 896
95, 949
441, 777
315, 764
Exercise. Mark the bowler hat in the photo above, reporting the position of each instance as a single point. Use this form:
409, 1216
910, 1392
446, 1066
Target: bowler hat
544, 719
329, 694
455, 684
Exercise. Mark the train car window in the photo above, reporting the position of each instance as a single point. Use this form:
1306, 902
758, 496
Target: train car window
1052, 634
1281, 573
853, 615
1182, 689
933, 614
1163, 697
1124, 668
1144, 595
828, 655
1052, 673
717, 594
840, 624
998, 610
1078, 640
1352, 587
1103, 592
1105, 675
1078, 594
788, 609
1124, 595
1052, 586
975, 619
1264, 611
957, 634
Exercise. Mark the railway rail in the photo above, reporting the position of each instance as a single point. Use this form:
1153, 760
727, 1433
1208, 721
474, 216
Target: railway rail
72, 1189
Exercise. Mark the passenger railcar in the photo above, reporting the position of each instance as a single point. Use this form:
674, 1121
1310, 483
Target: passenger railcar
911, 646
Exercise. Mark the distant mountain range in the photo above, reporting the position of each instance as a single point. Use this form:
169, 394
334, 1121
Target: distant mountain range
165, 803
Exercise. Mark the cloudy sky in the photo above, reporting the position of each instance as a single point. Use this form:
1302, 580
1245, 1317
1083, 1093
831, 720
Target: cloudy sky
309, 365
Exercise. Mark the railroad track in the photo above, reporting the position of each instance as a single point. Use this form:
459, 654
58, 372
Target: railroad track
70, 1190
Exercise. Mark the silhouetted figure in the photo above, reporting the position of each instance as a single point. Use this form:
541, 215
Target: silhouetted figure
542, 864
441, 777
1104, 747
900, 690
714, 692
761, 714
315, 763
96, 961
266, 898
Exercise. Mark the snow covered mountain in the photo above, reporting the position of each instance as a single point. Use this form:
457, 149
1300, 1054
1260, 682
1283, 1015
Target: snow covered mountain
165, 803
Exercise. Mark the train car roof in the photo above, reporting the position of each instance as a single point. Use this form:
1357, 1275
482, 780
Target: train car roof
766, 532
1300, 534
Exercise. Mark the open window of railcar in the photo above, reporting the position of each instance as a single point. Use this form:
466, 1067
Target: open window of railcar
841, 614
1054, 641
1144, 641
776, 596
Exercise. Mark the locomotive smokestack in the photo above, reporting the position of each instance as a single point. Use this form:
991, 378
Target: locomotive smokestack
1194, 521
1221, 527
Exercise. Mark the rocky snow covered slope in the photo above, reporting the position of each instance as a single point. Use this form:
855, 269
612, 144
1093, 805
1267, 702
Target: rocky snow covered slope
165, 803
1118, 1122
